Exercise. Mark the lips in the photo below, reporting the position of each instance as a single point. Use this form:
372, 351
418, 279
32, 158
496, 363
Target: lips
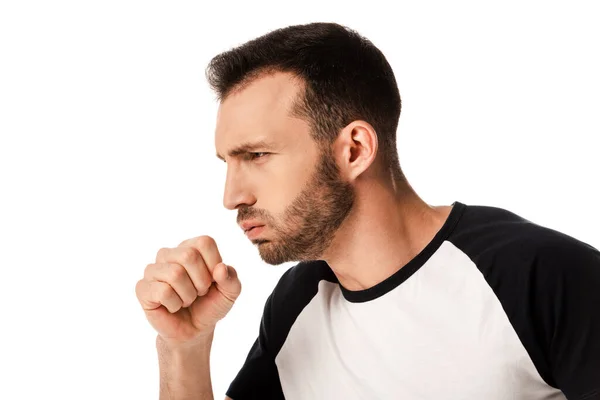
248, 225
255, 232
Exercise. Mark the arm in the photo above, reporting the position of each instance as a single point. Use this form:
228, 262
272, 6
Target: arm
185, 371
574, 320
258, 378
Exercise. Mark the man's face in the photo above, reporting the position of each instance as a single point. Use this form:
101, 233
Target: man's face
287, 183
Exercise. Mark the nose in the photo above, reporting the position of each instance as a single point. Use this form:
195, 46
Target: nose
237, 190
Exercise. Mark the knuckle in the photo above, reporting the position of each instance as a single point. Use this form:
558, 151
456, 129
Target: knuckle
161, 254
177, 272
166, 292
205, 242
139, 286
187, 254
148, 270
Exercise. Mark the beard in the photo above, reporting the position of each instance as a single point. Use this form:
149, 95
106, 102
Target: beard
309, 223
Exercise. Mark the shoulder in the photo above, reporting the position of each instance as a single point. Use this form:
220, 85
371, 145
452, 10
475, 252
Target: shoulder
293, 292
547, 283
539, 274
496, 238
300, 283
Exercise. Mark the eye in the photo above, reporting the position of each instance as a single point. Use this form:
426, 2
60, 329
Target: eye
253, 156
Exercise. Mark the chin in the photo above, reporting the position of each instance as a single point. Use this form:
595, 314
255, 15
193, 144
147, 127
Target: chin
275, 256
271, 254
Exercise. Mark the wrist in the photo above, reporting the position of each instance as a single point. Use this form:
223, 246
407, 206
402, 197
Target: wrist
201, 342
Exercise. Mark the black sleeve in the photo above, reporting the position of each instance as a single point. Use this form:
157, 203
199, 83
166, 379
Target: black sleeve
258, 378
573, 319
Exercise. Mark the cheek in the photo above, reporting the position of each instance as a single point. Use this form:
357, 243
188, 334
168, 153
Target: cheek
278, 196
281, 187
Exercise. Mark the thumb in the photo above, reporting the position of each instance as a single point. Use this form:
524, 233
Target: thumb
227, 281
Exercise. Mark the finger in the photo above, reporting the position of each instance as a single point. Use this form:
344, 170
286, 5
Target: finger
153, 294
191, 260
227, 281
207, 248
177, 277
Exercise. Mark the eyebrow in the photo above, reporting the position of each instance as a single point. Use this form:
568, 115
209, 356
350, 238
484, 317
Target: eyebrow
247, 147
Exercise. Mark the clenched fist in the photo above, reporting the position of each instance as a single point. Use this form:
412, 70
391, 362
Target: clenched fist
187, 290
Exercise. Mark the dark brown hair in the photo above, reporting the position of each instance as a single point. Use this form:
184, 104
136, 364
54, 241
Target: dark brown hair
346, 78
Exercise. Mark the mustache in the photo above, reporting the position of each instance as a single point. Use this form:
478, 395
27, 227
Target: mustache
246, 213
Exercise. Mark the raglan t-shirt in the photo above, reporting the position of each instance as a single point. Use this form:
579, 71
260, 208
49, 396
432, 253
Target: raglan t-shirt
495, 307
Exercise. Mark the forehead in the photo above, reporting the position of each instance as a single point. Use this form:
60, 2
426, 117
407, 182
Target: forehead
260, 110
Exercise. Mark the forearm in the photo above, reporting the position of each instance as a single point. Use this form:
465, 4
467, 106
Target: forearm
185, 372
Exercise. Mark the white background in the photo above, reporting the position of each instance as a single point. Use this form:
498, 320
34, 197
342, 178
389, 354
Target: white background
107, 154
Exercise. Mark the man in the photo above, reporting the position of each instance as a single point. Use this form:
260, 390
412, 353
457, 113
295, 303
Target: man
392, 298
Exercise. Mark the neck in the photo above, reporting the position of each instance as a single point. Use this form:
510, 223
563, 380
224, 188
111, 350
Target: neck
387, 227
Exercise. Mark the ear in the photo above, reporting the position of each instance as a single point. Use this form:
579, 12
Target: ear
355, 149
